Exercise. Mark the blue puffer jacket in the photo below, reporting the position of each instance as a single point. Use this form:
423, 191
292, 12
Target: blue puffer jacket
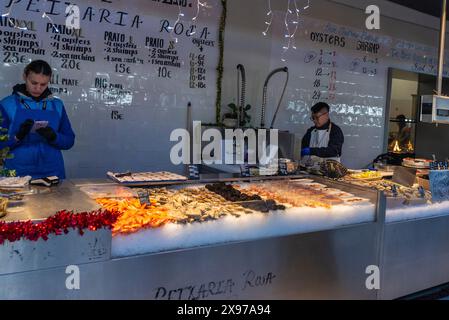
33, 155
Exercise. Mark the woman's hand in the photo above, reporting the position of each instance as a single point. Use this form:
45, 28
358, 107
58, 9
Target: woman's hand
48, 133
24, 129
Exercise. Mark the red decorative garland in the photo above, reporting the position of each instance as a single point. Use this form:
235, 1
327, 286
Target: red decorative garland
57, 224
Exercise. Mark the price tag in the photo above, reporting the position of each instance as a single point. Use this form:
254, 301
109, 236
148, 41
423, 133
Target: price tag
244, 170
283, 168
422, 193
194, 172
144, 197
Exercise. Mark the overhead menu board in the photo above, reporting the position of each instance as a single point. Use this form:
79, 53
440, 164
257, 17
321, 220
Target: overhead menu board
347, 68
125, 76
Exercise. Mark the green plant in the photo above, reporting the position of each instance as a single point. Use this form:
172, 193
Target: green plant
4, 153
219, 80
246, 117
233, 114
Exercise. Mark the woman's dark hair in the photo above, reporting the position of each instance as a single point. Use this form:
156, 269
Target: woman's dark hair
38, 67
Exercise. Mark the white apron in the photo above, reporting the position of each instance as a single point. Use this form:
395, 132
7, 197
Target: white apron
319, 139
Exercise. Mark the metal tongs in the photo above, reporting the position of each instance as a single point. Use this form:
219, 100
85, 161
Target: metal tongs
16, 194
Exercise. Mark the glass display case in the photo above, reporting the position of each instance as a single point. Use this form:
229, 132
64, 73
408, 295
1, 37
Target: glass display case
401, 135
402, 111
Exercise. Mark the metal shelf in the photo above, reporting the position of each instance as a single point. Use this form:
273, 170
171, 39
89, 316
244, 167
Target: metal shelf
406, 121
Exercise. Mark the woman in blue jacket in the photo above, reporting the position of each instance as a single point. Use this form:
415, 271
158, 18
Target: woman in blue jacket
35, 144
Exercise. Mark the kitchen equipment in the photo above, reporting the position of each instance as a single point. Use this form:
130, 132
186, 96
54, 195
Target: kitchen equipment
264, 97
440, 109
240, 95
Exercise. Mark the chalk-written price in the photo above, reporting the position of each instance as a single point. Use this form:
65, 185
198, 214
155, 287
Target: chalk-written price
70, 64
122, 68
14, 58
163, 72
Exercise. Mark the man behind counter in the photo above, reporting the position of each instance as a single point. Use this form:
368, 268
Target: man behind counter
325, 139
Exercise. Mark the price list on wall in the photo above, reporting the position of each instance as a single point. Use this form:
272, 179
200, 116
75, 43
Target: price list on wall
368, 62
70, 49
117, 47
121, 50
19, 41
164, 56
324, 82
128, 68
342, 67
197, 71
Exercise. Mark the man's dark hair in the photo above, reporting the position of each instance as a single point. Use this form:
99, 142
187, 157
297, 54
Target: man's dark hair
38, 67
320, 106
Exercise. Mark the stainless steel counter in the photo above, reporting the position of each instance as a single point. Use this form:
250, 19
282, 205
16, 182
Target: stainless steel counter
323, 265
45, 202
411, 255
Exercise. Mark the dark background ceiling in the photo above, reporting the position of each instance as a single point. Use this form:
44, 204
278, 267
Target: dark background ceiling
432, 7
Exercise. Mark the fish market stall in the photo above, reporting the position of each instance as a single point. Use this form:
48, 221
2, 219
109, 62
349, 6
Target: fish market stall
291, 237
245, 239
208, 214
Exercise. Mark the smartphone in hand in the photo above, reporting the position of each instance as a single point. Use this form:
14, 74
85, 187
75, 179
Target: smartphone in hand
38, 125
